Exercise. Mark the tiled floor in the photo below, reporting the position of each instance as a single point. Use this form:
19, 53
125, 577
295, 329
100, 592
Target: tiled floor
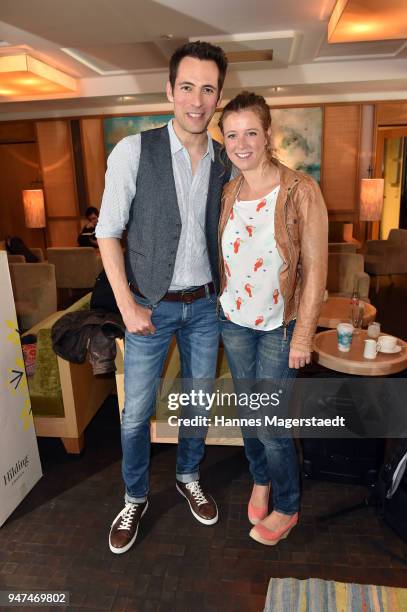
57, 538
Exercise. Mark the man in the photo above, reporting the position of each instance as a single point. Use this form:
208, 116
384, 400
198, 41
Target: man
87, 236
164, 186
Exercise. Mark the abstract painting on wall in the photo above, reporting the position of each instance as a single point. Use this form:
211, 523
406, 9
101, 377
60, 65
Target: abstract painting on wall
116, 128
297, 135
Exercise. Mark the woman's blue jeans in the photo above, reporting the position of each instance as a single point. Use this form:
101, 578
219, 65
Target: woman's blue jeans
256, 355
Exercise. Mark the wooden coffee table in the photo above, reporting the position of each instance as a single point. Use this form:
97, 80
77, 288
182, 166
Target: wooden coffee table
337, 309
326, 353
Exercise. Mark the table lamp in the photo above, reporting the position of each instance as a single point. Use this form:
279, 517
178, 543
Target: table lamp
34, 210
371, 199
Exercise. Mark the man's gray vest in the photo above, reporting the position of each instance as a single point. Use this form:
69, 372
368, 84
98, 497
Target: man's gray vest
154, 225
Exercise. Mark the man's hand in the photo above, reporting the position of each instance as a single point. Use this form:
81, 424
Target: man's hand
137, 319
298, 359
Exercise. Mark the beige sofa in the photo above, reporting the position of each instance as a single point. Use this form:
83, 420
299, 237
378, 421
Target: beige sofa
64, 396
34, 290
387, 257
345, 275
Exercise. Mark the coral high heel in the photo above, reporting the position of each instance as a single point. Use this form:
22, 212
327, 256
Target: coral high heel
265, 536
255, 514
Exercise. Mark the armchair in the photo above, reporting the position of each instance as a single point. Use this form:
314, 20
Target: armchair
34, 290
342, 247
75, 267
387, 257
345, 274
39, 253
15, 258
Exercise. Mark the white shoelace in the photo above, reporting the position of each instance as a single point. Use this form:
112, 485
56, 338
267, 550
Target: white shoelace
197, 492
127, 515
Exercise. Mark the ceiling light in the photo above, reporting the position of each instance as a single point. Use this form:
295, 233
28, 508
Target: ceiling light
24, 75
364, 20
123, 99
250, 55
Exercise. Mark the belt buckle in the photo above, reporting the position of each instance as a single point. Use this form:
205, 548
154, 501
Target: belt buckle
187, 297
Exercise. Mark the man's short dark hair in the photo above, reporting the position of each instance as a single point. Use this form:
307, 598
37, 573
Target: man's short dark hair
202, 51
91, 210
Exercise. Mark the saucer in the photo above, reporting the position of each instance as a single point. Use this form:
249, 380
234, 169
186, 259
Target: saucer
396, 349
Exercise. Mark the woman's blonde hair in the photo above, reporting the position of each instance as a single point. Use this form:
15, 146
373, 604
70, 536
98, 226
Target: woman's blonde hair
248, 100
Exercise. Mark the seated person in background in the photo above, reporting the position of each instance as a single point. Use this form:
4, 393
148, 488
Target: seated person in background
87, 236
16, 246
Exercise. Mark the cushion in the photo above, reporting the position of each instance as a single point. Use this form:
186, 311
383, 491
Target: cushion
44, 386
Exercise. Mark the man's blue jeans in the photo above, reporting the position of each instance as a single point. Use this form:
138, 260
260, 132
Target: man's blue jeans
196, 329
255, 355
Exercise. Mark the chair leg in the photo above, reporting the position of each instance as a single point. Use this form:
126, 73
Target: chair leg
377, 284
74, 446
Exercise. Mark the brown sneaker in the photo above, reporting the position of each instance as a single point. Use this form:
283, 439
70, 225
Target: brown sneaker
123, 532
202, 506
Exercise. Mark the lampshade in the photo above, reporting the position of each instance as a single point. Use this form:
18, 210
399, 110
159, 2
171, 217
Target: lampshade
34, 208
371, 199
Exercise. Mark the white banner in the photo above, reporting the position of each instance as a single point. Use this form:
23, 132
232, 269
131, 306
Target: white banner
20, 466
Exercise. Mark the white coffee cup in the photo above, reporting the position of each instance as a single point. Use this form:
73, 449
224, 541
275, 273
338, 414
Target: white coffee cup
373, 330
387, 343
371, 349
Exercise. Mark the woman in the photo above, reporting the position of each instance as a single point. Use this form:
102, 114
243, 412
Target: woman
87, 237
273, 240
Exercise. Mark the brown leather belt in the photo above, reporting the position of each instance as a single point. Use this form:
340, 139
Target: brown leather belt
186, 296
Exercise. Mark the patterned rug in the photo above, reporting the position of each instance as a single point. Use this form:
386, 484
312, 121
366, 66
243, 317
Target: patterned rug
315, 595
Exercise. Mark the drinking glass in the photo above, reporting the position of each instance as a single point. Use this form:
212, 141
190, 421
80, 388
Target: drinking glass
356, 317
373, 330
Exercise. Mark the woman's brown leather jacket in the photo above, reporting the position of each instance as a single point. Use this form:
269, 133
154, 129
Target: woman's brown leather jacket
301, 233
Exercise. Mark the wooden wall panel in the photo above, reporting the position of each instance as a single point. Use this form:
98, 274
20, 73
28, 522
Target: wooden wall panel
391, 113
17, 131
19, 166
341, 159
63, 232
94, 159
54, 145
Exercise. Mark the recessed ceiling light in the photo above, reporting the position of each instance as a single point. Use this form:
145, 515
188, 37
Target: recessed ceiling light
122, 99
276, 89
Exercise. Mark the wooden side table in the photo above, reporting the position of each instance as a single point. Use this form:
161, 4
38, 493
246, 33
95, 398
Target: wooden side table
326, 353
336, 310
